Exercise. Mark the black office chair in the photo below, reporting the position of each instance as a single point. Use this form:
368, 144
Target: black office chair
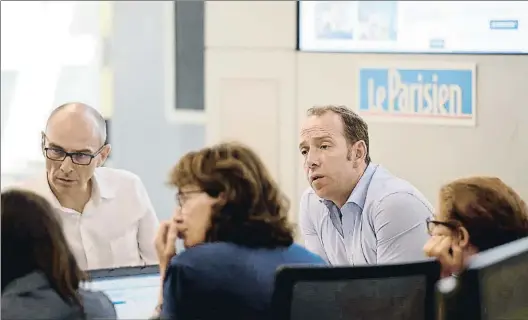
493, 287
404, 291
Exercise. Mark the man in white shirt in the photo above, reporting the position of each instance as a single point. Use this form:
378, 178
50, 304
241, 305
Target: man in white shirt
106, 213
355, 211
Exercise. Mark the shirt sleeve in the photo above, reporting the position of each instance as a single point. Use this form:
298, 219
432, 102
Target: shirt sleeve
172, 292
312, 240
148, 226
400, 227
179, 300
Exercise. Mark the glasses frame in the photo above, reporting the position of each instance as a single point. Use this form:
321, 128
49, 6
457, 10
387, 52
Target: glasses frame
180, 196
431, 223
70, 154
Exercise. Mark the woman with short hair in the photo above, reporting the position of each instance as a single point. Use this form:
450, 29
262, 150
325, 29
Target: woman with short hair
232, 218
474, 214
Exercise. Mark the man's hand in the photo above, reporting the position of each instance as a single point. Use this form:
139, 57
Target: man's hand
448, 254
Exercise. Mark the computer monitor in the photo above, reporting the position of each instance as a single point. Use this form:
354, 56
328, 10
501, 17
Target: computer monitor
403, 291
134, 291
493, 287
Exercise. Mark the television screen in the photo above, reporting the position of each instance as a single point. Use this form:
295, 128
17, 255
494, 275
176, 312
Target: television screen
471, 27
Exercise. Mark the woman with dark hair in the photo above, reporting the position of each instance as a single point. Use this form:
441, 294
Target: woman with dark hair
474, 214
40, 277
233, 221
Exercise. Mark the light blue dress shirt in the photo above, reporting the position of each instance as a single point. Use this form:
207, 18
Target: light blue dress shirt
383, 221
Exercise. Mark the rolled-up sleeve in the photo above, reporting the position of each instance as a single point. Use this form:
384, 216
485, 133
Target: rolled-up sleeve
311, 239
400, 227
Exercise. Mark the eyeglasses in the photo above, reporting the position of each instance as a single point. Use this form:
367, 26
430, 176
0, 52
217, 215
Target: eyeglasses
431, 224
182, 197
80, 158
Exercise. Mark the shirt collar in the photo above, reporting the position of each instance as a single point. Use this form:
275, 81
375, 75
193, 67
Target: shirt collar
102, 186
359, 194
101, 189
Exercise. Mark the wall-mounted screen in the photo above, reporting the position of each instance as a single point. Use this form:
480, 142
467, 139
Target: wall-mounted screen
471, 27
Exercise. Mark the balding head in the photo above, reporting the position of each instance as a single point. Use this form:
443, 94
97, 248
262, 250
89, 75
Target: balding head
77, 115
74, 146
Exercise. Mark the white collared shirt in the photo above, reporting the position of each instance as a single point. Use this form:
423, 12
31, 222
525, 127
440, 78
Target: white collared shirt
118, 225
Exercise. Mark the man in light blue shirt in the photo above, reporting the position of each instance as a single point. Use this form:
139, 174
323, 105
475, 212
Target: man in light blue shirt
356, 212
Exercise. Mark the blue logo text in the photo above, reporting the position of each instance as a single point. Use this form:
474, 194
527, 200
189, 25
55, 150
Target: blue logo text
425, 92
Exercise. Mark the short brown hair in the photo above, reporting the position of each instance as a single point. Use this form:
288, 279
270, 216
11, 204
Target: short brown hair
491, 211
355, 128
33, 240
256, 211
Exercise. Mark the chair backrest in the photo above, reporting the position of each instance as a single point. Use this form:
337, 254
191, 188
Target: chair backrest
403, 291
494, 286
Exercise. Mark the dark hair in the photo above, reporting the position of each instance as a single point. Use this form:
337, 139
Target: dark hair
255, 213
355, 128
491, 211
32, 240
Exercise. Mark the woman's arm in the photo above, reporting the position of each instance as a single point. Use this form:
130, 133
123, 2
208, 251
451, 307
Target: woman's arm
163, 270
166, 249
172, 296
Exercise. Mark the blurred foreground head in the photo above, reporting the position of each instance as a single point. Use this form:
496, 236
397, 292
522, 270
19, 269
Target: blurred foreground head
33, 241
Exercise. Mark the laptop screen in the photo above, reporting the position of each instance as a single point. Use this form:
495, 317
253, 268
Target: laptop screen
133, 296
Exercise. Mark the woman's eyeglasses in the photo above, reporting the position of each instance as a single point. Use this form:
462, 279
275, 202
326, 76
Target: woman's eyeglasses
182, 196
432, 224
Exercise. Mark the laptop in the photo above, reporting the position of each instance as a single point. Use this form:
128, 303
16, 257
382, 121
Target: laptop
134, 291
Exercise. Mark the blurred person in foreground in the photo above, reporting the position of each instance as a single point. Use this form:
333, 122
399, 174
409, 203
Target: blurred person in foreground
474, 214
40, 277
233, 220
355, 212
106, 213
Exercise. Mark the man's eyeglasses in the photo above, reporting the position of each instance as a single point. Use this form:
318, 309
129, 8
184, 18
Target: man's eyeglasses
80, 158
431, 224
182, 197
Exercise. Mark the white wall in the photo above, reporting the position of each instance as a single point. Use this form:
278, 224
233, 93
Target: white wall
147, 136
250, 81
258, 88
